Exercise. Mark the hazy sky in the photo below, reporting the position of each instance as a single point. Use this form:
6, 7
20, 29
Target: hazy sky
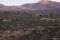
19, 2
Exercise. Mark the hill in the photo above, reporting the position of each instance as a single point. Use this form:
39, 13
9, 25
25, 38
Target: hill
50, 5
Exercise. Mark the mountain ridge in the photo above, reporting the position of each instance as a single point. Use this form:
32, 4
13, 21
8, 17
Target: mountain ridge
31, 6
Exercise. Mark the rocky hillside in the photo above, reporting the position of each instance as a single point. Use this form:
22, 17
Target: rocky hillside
28, 26
39, 5
32, 6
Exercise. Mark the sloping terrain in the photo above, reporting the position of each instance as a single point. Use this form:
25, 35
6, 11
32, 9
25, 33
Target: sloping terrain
39, 5
32, 21
28, 26
32, 6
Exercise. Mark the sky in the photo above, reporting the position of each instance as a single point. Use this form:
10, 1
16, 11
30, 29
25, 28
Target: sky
19, 2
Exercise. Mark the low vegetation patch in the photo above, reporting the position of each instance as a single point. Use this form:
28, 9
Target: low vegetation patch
7, 20
2, 13
47, 19
57, 24
35, 15
38, 27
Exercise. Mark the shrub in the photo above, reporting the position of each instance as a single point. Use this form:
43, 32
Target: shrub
57, 19
7, 20
35, 15
57, 24
2, 12
50, 15
38, 27
47, 19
